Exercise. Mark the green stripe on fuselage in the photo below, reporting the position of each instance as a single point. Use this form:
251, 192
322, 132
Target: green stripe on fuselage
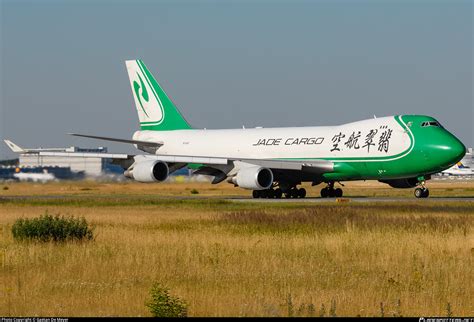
418, 160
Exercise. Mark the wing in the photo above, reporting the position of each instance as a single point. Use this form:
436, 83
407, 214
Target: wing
310, 166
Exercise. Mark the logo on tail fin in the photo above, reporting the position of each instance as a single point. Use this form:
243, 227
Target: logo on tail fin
149, 107
156, 111
461, 166
136, 87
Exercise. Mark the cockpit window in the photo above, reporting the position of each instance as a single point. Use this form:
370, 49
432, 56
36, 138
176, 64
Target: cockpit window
430, 123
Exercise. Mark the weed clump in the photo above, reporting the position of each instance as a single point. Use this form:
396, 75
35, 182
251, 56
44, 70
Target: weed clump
162, 304
194, 192
48, 228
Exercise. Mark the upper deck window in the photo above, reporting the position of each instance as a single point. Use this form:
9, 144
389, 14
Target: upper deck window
430, 123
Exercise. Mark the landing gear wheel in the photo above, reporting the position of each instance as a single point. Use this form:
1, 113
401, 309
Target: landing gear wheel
294, 193
302, 192
324, 192
419, 192
331, 193
256, 194
278, 193
422, 192
338, 193
426, 193
287, 195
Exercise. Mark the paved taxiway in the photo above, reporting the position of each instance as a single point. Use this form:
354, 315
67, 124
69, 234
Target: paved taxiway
264, 200
355, 199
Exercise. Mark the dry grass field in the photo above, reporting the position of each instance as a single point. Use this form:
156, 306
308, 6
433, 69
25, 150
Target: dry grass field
438, 188
240, 259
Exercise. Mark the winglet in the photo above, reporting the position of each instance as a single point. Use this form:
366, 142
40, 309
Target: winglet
15, 148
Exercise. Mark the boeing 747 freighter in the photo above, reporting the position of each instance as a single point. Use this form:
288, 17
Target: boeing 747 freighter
402, 151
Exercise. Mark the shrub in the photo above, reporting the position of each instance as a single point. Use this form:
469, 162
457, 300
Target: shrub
52, 228
194, 192
162, 304
5, 188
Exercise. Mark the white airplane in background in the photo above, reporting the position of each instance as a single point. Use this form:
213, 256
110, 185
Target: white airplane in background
402, 151
45, 176
459, 169
17, 149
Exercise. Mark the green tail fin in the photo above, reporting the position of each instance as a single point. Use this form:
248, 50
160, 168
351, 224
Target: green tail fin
156, 111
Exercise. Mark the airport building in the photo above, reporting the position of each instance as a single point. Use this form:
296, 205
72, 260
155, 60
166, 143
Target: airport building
91, 167
468, 159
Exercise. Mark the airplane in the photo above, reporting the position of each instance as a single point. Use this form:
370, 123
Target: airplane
44, 176
402, 151
17, 149
459, 169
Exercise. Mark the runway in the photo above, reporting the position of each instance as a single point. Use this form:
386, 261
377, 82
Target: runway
353, 199
261, 200
242, 199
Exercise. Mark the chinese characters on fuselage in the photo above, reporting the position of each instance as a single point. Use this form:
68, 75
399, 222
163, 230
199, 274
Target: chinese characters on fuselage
370, 139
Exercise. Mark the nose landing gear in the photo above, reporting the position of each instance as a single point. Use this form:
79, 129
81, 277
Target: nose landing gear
422, 192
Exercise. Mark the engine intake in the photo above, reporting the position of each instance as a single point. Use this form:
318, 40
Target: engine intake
149, 171
254, 178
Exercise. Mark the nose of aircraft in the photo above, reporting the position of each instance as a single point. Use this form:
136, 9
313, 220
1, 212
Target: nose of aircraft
450, 149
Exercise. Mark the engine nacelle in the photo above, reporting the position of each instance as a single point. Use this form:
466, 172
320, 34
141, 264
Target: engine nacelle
149, 171
401, 183
254, 178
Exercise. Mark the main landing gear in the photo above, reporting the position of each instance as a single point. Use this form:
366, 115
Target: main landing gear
278, 193
330, 192
422, 192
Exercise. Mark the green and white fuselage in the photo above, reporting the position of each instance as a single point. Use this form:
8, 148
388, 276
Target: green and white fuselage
401, 150
381, 148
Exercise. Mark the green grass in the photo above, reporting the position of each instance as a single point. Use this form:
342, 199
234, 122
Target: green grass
48, 228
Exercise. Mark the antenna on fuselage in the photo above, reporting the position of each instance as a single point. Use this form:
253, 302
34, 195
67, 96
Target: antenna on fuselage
375, 116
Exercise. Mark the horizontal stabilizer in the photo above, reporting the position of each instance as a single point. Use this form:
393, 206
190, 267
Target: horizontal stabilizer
141, 143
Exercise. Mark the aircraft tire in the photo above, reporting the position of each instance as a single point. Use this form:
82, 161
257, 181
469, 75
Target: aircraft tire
331, 193
418, 193
338, 193
426, 193
324, 193
302, 192
294, 193
256, 194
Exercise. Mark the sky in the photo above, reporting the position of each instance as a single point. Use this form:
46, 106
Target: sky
228, 64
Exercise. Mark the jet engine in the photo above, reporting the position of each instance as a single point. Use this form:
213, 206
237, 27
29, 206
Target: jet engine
401, 183
254, 178
149, 171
